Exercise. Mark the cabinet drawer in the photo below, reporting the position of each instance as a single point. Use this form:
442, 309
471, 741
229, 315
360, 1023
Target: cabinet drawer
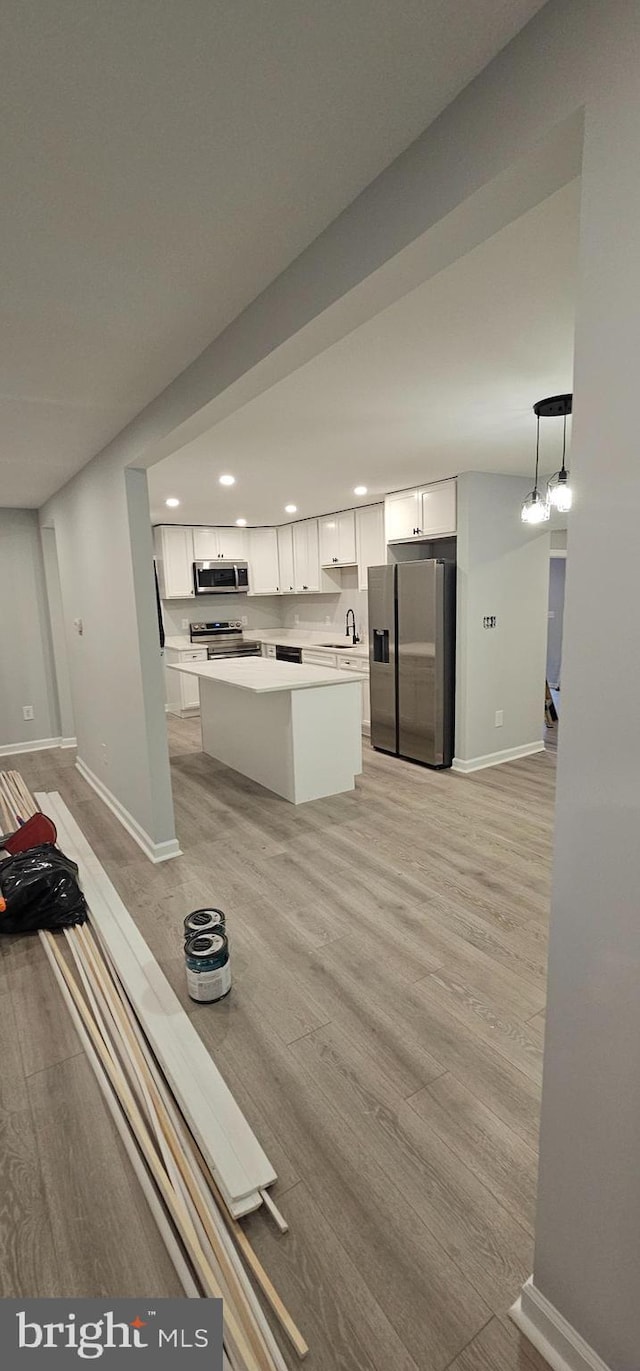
313, 658
269, 649
197, 654
353, 664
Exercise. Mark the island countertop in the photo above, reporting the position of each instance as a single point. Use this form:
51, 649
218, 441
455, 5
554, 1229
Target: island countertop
265, 674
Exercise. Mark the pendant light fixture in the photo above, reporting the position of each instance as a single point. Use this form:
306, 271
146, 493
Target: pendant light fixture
535, 510
559, 492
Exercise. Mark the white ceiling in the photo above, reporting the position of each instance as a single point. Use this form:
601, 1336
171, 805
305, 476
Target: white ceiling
161, 163
440, 382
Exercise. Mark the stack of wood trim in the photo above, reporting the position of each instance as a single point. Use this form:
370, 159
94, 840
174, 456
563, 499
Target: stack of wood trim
126, 1020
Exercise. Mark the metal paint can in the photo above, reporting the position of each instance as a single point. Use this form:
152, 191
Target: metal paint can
204, 921
208, 967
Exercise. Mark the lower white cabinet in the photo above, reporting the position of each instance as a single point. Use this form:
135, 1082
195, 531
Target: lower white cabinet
264, 577
183, 692
342, 662
359, 664
316, 657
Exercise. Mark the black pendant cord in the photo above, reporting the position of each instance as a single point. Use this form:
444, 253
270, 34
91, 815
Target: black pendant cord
535, 481
564, 445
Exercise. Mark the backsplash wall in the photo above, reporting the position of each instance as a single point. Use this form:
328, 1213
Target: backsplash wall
316, 612
261, 611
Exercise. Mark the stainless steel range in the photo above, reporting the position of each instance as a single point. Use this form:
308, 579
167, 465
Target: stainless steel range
223, 638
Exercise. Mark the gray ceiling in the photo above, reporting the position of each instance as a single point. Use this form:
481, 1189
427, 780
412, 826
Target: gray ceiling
441, 381
163, 160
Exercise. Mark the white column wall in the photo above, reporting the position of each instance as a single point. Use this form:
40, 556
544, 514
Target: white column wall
587, 1259
103, 538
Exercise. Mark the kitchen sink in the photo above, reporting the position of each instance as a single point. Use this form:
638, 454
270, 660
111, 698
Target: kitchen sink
339, 647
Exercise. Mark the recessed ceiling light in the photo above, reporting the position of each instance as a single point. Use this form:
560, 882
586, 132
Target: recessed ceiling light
172, 502
241, 523
227, 480
291, 509
359, 490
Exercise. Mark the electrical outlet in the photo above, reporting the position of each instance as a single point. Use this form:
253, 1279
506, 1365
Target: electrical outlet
27, 711
185, 623
489, 621
499, 718
244, 621
327, 619
79, 627
296, 618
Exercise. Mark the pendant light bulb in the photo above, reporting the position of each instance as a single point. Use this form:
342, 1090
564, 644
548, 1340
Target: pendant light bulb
560, 494
535, 510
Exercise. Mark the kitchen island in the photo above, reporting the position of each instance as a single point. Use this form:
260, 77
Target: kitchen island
295, 729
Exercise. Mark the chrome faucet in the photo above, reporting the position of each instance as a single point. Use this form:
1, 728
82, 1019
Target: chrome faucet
354, 636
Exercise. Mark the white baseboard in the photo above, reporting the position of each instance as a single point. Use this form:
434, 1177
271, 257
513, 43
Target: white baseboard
68, 742
508, 754
35, 745
551, 1335
156, 852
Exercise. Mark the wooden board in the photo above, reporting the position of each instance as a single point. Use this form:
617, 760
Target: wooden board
229, 1145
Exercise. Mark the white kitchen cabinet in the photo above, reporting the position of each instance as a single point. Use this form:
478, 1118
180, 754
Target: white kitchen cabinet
359, 664
306, 555
183, 692
402, 515
228, 544
316, 657
205, 544
264, 577
428, 512
371, 545
338, 539
173, 547
285, 558
438, 509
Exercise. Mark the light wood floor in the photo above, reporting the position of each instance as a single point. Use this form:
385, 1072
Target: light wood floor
384, 1037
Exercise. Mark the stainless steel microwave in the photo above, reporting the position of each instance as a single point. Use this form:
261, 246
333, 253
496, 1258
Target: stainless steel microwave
220, 578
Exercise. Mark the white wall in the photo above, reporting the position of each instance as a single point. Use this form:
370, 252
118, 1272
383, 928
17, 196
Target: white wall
260, 611
103, 537
503, 570
58, 635
26, 660
317, 612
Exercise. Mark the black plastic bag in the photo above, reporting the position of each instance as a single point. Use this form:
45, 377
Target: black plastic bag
40, 889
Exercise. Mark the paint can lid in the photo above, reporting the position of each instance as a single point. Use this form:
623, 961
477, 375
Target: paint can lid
205, 918
206, 945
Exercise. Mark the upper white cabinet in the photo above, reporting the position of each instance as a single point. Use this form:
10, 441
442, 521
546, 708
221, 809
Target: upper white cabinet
306, 555
438, 509
264, 578
429, 512
173, 547
285, 558
338, 539
401, 515
229, 544
370, 541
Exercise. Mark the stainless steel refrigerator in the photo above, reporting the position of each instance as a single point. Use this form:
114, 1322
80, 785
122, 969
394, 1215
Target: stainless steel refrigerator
412, 660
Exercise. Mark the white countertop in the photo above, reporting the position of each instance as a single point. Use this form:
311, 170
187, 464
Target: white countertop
262, 674
291, 637
332, 640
